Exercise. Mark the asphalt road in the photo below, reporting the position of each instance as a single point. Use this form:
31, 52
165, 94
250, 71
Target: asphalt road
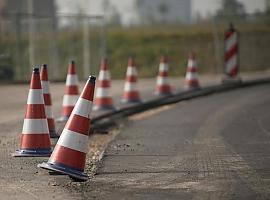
215, 147
21, 179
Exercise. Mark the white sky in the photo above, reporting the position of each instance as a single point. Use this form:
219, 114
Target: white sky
202, 6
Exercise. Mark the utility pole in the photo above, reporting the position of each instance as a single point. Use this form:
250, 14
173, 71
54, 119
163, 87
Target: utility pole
86, 44
31, 35
103, 51
54, 49
19, 68
216, 46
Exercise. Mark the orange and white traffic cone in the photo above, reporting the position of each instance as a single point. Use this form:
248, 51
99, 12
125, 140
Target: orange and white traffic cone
163, 87
71, 92
131, 94
47, 100
103, 99
69, 154
192, 80
35, 139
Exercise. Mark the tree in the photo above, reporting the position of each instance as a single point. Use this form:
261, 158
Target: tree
112, 16
231, 8
163, 10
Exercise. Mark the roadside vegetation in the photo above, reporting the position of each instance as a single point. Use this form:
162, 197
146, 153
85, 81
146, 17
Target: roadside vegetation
147, 45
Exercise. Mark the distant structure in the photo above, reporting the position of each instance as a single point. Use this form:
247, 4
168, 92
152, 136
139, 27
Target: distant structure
267, 4
132, 12
40, 7
147, 12
8, 8
169, 11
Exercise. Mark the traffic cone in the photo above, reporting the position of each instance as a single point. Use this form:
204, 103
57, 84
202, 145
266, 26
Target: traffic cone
69, 154
131, 94
163, 87
71, 92
103, 100
191, 81
47, 100
35, 140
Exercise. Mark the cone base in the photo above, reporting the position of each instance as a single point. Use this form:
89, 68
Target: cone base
104, 108
32, 153
130, 101
188, 87
74, 174
53, 134
228, 79
62, 119
162, 94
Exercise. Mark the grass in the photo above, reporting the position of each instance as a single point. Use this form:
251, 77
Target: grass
146, 45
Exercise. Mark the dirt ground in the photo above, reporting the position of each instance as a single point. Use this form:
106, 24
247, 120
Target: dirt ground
20, 178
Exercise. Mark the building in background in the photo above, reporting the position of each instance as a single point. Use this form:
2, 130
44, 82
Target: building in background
40, 7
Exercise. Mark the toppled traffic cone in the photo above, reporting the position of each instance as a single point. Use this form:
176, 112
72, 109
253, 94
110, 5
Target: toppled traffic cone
69, 154
163, 87
103, 99
71, 92
47, 100
131, 94
35, 140
191, 81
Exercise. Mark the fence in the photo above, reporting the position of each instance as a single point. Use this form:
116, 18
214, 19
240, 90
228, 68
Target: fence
31, 40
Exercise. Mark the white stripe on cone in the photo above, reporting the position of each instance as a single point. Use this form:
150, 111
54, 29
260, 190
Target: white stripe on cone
103, 92
130, 86
162, 80
104, 75
70, 100
231, 41
131, 71
45, 87
35, 126
231, 63
72, 79
163, 67
192, 76
48, 111
83, 108
191, 63
35, 96
73, 140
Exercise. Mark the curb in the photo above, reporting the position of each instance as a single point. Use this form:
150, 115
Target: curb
108, 120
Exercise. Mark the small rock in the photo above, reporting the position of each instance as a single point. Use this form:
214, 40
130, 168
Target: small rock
54, 184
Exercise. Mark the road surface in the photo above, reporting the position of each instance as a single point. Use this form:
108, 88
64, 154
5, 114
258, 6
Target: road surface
21, 179
215, 147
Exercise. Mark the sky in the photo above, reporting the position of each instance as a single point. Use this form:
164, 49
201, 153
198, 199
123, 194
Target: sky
204, 7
